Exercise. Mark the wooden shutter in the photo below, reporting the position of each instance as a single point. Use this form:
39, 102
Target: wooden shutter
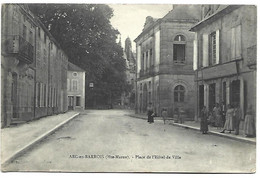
205, 50
217, 46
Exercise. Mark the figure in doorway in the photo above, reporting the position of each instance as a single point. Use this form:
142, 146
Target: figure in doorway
249, 126
237, 118
204, 121
229, 124
217, 116
150, 113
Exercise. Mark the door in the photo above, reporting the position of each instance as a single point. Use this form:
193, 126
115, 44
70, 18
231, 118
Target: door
70, 102
212, 96
14, 96
145, 98
235, 92
201, 97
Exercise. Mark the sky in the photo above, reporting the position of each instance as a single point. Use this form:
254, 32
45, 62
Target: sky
129, 19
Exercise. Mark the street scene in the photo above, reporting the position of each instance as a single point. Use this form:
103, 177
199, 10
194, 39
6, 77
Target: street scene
111, 141
128, 88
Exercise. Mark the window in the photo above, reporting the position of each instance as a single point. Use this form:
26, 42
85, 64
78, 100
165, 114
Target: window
75, 74
68, 84
141, 86
179, 93
147, 59
31, 37
45, 38
151, 57
24, 32
149, 84
236, 43
77, 100
39, 33
212, 49
179, 49
75, 85
142, 63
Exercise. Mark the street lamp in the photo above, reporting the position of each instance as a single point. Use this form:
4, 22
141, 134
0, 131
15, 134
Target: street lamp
91, 86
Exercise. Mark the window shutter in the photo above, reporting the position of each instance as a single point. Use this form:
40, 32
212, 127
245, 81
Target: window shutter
238, 42
217, 46
195, 54
205, 40
233, 44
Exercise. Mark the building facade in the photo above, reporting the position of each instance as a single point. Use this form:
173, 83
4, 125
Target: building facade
75, 87
225, 56
33, 68
165, 75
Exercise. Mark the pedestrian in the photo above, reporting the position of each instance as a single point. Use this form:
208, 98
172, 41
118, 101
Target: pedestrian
210, 118
223, 111
150, 113
249, 125
229, 124
164, 114
217, 116
176, 115
203, 120
237, 118
181, 115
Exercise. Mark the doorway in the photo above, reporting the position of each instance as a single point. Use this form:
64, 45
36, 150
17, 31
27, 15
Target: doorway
70, 102
201, 97
145, 99
212, 96
14, 96
235, 92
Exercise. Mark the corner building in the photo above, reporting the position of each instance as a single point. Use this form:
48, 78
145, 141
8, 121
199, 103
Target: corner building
33, 68
164, 69
225, 56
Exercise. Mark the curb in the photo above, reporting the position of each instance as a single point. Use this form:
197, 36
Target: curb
35, 141
210, 132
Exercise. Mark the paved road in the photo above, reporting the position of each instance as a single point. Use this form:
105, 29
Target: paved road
109, 141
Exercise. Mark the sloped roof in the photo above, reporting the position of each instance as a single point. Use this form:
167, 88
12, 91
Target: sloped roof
73, 67
184, 12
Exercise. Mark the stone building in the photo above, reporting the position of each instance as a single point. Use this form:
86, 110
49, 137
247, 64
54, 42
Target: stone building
225, 56
33, 74
165, 73
75, 87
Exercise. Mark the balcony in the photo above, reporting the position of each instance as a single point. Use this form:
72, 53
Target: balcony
19, 47
148, 72
251, 57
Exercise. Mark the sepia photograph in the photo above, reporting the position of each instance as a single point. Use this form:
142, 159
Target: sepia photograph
128, 88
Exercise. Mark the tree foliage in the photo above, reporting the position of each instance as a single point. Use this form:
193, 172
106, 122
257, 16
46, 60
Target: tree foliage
86, 35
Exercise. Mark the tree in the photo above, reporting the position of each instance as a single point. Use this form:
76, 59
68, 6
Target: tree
86, 35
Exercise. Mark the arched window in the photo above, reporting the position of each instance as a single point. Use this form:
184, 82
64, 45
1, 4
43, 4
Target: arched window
179, 47
179, 92
179, 38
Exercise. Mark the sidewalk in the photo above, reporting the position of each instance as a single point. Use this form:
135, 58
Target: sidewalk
15, 140
196, 126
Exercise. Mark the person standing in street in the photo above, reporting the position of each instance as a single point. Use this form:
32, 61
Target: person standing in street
164, 114
223, 112
237, 118
217, 116
249, 126
229, 124
203, 121
150, 113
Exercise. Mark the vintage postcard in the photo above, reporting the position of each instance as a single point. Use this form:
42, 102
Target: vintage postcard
149, 88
